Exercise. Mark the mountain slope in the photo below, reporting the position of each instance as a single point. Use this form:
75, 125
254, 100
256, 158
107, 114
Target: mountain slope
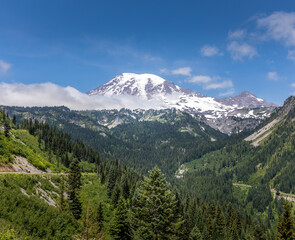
262, 162
245, 99
21, 152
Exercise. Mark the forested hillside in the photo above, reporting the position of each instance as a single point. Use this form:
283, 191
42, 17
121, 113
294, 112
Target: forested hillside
256, 174
113, 202
166, 138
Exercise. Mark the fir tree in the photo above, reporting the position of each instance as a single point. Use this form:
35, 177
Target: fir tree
14, 119
111, 182
259, 231
3, 114
219, 220
238, 222
187, 226
120, 228
179, 207
6, 128
286, 224
97, 163
125, 187
61, 202
74, 188
229, 215
153, 209
100, 217
116, 195
195, 234
210, 228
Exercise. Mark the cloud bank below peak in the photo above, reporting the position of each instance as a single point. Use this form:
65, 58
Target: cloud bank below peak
50, 95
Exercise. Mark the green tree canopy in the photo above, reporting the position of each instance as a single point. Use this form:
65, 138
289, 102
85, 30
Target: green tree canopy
286, 224
120, 228
154, 214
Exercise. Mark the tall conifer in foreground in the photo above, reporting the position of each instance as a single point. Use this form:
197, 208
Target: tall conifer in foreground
286, 224
154, 208
74, 189
120, 228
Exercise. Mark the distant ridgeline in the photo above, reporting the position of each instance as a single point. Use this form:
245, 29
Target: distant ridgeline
113, 202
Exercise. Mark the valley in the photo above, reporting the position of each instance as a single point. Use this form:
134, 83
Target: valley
250, 169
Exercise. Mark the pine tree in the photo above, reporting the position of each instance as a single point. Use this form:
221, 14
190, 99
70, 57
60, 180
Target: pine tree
286, 224
187, 224
153, 209
100, 217
179, 208
234, 233
87, 223
219, 220
229, 215
210, 228
14, 119
6, 128
195, 234
3, 113
61, 202
259, 230
111, 182
97, 163
120, 228
125, 187
116, 195
238, 222
74, 188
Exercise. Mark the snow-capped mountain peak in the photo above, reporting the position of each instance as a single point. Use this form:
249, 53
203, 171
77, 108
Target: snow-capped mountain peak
142, 85
149, 91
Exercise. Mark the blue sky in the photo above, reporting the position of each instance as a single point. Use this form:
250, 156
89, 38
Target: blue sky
218, 48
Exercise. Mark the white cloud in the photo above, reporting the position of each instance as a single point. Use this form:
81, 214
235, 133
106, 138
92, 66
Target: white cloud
200, 79
273, 76
293, 85
164, 71
151, 58
213, 83
220, 85
227, 93
209, 51
239, 51
4, 66
280, 26
49, 94
291, 55
185, 71
238, 34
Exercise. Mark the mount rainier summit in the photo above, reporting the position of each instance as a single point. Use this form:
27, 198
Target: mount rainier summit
228, 115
